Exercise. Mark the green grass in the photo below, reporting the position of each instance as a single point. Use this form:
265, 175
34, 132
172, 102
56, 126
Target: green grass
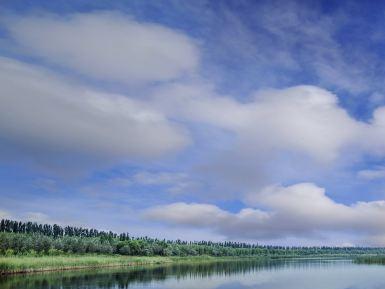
26, 264
19, 264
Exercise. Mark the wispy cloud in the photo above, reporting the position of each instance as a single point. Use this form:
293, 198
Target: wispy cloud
377, 173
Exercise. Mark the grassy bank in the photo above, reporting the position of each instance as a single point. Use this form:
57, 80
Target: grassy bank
27, 264
377, 259
21, 264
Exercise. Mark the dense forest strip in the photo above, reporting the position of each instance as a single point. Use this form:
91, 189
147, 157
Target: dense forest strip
32, 239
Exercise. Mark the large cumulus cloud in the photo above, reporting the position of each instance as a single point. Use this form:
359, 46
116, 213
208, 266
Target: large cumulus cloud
300, 210
275, 135
107, 46
305, 119
41, 114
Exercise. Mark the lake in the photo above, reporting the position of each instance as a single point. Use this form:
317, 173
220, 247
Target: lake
288, 274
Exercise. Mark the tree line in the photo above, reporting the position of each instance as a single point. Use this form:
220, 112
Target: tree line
30, 238
55, 230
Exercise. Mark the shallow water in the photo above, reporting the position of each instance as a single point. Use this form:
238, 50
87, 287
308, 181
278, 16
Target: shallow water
289, 274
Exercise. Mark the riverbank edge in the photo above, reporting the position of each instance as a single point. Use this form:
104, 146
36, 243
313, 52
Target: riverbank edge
370, 259
27, 264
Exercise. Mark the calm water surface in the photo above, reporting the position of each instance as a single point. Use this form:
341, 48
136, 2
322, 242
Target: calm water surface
294, 274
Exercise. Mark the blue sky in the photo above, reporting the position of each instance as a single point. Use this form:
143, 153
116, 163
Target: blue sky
260, 121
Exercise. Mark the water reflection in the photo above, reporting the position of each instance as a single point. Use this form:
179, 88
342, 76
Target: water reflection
123, 277
338, 274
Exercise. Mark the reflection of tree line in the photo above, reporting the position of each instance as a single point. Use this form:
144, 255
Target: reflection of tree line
125, 278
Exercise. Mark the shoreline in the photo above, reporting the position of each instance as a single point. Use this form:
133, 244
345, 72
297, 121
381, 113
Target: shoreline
371, 260
31, 264
26, 265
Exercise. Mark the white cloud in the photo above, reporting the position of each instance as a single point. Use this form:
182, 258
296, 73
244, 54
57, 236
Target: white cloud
175, 182
159, 178
373, 138
188, 214
378, 173
304, 119
107, 46
42, 114
277, 135
294, 211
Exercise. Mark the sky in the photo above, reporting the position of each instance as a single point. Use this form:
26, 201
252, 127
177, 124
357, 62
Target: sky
255, 121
